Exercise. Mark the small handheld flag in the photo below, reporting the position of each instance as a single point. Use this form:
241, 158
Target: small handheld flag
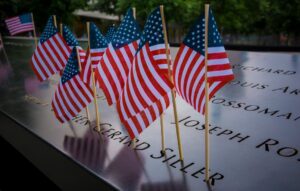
51, 54
72, 42
113, 69
19, 24
189, 70
145, 95
72, 94
98, 44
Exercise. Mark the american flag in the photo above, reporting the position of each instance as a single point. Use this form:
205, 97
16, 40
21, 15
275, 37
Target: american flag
189, 69
51, 54
19, 24
86, 72
72, 94
145, 95
113, 69
156, 40
110, 33
72, 42
94, 54
98, 44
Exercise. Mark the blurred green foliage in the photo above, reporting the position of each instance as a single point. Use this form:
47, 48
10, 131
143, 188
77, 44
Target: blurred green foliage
41, 10
233, 16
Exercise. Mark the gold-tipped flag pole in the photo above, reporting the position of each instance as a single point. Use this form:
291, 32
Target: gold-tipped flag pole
171, 79
34, 33
206, 97
93, 80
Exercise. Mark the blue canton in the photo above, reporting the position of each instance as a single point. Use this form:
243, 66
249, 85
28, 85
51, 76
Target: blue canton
110, 33
69, 37
25, 18
195, 37
97, 40
127, 32
71, 68
49, 31
153, 30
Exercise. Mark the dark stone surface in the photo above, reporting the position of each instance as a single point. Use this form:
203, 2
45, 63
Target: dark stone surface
255, 123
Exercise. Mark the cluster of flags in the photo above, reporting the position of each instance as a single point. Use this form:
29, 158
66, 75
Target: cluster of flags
131, 68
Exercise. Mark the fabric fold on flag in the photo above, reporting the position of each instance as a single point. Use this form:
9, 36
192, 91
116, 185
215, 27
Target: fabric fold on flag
145, 95
98, 44
72, 94
94, 54
51, 54
112, 71
189, 66
72, 42
19, 24
86, 72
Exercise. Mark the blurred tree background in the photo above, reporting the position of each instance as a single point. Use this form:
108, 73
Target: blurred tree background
235, 18
41, 10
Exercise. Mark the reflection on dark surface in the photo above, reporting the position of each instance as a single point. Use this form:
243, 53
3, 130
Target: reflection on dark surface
5, 68
126, 169
163, 186
89, 150
5, 72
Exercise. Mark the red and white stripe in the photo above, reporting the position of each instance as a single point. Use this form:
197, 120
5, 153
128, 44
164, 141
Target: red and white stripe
189, 74
15, 26
70, 98
136, 124
82, 54
159, 55
50, 57
112, 71
96, 55
145, 85
86, 72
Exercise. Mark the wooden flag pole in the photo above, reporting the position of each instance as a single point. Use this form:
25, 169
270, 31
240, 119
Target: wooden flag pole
93, 80
163, 148
171, 79
61, 30
34, 33
206, 97
54, 20
134, 12
134, 140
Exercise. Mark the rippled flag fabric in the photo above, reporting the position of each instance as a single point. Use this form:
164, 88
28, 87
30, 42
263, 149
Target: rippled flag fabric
51, 54
189, 67
19, 24
155, 37
72, 94
98, 44
113, 69
72, 42
146, 92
